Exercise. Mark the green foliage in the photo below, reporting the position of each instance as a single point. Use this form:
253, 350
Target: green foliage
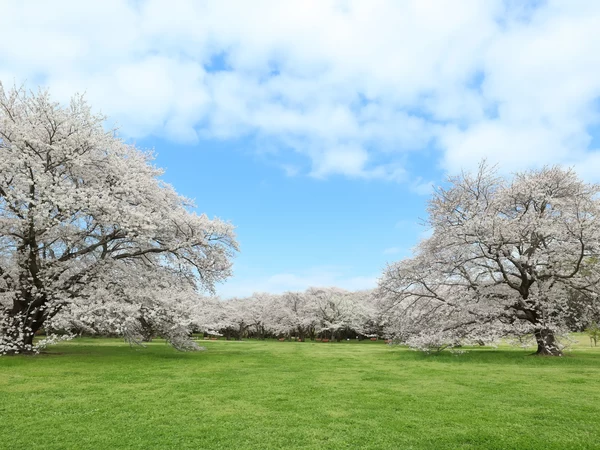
102, 394
593, 331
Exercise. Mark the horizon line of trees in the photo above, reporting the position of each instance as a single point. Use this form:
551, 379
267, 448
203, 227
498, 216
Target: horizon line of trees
329, 313
316, 313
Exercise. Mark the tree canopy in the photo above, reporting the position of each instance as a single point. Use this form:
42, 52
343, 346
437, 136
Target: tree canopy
81, 210
504, 259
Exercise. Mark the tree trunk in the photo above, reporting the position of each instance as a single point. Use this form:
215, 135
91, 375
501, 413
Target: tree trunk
17, 333
146, 331
546, 343
240, 333
19, 325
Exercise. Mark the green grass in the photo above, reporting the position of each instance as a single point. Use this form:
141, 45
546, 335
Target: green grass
100, 393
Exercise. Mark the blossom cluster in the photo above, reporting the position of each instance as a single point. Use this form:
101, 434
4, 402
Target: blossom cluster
507, 258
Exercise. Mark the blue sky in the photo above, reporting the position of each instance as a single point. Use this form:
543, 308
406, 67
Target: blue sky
318, 127
295, 231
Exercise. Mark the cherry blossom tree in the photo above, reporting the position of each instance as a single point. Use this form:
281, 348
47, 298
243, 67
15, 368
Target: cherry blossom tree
209, 315
76, 203
295, 315
139, 303
237, 317
504, 259
336, 309
261, 311
370, 316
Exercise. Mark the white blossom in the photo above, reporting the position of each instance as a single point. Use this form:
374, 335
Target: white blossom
81, 212
503, 260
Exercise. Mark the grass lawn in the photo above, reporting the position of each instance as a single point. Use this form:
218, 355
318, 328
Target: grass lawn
100, 393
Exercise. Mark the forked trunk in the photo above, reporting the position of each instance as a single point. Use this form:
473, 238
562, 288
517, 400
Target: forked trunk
546, 343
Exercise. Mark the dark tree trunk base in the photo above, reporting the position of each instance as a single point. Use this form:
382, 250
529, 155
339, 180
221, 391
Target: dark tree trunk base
547, 345
547, 352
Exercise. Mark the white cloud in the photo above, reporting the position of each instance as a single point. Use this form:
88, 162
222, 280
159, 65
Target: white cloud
345, 159
418, 186
354, 86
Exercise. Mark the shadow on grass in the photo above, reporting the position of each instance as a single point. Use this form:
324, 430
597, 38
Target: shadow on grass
94, 348
503, 357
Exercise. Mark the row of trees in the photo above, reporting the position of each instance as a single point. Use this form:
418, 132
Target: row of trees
318, 312
330, 313
92, 240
